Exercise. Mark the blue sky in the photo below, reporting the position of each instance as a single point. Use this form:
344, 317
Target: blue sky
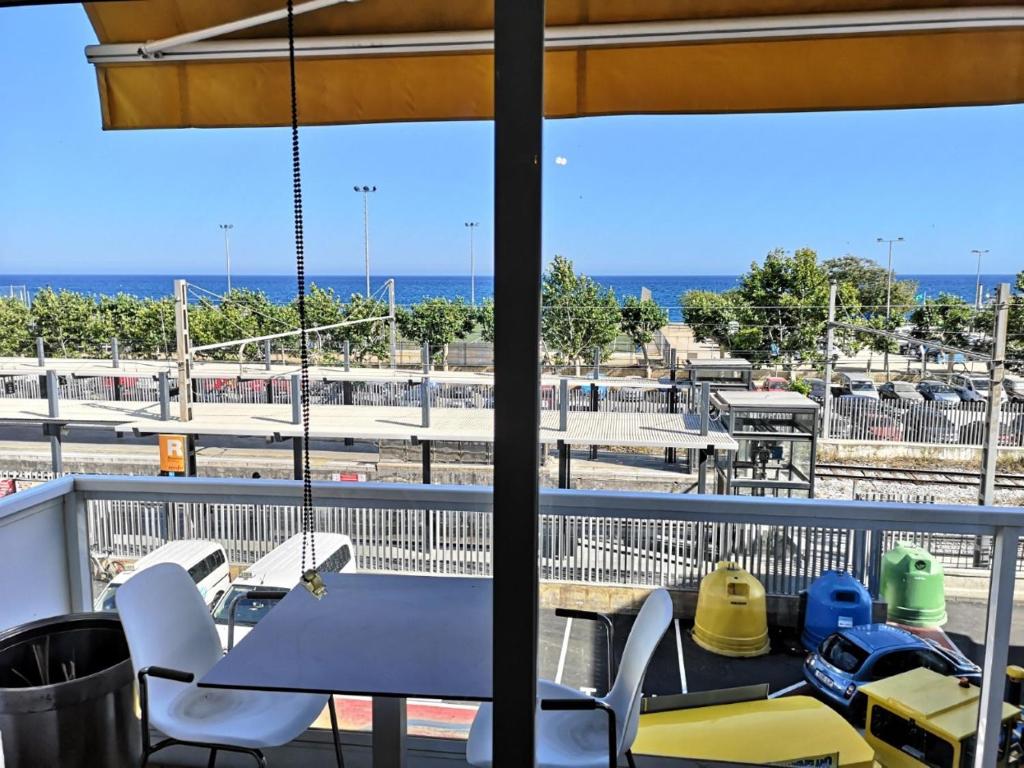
639, 195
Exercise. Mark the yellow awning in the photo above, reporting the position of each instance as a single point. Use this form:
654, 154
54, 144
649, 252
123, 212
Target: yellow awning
397, 60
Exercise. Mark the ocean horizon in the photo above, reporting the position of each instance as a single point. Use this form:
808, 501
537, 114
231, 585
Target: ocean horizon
410, 289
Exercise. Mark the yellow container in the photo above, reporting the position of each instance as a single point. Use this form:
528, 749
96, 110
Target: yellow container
732, 619
922, 713
793, 731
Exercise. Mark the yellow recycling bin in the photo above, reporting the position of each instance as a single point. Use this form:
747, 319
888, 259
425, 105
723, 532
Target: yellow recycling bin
732, 619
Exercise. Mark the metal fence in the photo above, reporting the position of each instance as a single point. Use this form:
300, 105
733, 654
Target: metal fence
931, 422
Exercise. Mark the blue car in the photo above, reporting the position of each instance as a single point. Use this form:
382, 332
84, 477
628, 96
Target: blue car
848, 658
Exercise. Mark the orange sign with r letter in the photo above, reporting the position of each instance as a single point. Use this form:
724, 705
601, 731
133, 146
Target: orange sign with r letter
172, 453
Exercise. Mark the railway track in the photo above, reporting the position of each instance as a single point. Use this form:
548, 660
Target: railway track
916, 476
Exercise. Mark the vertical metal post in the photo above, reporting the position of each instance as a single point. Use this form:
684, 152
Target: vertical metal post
52, 394
673, 406
997, 642
346, 350
53, 409
518, 133
40, 352
389, 732
705, 407
266, 355
425, 444
859, 560
184, 350
425, 401
563, 464
993, 408
830, 337
76, 549
296, 398
874, 566
163, 389
595, 405
115, 354
425, 355
297, 466
672, 363
393, 341
563, 405
597, 363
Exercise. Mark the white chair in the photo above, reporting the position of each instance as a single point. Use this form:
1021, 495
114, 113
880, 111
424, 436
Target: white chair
173, 642
579, 731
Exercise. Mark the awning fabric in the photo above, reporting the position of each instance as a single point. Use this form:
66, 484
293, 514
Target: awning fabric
865, 54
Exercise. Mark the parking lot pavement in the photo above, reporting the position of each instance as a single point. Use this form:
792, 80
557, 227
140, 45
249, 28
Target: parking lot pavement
577, 659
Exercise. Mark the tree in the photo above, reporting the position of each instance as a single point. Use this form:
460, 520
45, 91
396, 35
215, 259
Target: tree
437, 322
69, 322
323, 307
15, 328
370, 340
578, 315
869, 279
640, 319
485, 319
946, 319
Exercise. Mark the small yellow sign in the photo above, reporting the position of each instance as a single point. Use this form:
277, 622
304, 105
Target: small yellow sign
172, 453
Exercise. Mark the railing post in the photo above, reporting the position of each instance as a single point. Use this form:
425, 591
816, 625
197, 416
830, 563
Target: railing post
347, 352
705, 407
874, 565
53, 429
673, 406
425, 354
115, 355
163, 395
266, 355
563, 405
595, 400
859, 562
296, 397
76, 550
997, 642
40, 352
425, 402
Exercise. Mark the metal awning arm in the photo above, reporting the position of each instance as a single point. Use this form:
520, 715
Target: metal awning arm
155, 48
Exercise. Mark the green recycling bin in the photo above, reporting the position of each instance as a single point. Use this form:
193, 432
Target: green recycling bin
912, 586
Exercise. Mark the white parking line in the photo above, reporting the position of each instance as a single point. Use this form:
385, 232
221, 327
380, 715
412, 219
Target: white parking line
561, 654
787, 689
679, 654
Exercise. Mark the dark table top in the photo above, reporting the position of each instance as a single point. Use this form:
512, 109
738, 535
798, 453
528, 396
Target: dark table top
375, 635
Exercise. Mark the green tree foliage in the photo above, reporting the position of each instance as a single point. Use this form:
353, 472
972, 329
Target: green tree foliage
578, 315
870, 280
370, 339
16, 336
947, 319
778, 312
485, 319
438, 322
69, 322
640, 319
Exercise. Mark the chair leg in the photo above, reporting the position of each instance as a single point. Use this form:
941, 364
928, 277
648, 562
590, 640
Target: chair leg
334, 732
213, 758
629, 759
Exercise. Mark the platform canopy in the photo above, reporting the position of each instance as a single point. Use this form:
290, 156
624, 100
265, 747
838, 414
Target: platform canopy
197, 63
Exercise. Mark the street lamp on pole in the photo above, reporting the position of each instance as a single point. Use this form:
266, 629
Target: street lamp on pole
366, 190
888, 292
227, 251
977, 287
472, 225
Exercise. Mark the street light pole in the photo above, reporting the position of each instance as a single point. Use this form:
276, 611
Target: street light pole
227, 252
366, 190
888, 294
472, 263
977, 287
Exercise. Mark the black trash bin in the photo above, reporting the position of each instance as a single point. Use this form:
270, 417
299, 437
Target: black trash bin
67, 696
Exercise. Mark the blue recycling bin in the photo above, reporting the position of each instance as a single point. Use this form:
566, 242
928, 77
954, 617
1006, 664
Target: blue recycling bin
835, 600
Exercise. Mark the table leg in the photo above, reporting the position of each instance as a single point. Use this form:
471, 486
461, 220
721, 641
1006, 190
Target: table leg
389, 729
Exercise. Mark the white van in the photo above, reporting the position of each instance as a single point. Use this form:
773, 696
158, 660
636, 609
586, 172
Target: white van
279, 569
204, 560
858, 385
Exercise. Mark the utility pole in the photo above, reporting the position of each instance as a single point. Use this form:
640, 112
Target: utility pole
990, 447
184, 349
472, 263
977, 287
826, 415
888, 294
227, 252
366, 190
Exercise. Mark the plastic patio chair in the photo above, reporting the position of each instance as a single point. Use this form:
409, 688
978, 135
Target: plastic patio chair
575, 730
173, 642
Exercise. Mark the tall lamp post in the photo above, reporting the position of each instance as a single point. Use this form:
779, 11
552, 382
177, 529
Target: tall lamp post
888, 293
977, 287
227, 251
366, 190
472, 225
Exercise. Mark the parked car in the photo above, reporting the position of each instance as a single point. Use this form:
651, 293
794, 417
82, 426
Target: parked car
1013, 386
924, 424
858, 385
278, 570
900, 392
848, 658
774, 384
972, 388
818, 389
974, 433
939, 392
204, 560
876, 425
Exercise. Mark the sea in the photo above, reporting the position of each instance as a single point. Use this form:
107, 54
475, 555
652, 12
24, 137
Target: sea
410, 289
